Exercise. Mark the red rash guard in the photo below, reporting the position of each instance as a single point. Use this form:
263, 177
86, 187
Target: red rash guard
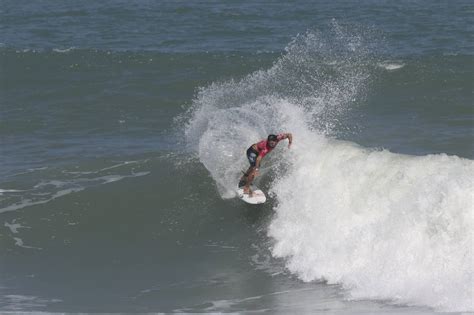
263, 147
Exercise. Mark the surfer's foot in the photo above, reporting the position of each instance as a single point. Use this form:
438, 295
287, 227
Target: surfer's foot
248, 191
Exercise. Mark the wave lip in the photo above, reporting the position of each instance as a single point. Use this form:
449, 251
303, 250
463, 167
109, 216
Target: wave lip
384, 225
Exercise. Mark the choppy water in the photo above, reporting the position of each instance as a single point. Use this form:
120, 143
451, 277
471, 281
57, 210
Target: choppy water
123, 128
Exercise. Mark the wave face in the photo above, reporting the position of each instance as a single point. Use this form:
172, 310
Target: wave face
384, 225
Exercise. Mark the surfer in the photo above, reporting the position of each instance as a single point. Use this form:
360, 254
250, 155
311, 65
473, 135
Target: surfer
255, 154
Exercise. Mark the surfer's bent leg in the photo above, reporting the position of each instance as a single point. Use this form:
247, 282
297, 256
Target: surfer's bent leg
250, 179
250, 174
243, 179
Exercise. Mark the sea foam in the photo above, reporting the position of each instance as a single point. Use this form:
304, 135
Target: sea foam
384, 225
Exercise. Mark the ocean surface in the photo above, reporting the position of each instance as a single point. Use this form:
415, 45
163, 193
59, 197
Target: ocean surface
123, 128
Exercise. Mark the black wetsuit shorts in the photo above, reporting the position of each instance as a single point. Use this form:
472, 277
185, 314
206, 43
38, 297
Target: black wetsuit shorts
252, 156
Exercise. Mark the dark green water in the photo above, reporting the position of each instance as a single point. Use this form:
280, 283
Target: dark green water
123, 127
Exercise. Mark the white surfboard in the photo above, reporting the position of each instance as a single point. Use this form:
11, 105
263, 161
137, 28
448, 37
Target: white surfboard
258, 196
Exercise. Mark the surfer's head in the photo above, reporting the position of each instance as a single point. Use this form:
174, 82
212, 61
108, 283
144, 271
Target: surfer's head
272, 140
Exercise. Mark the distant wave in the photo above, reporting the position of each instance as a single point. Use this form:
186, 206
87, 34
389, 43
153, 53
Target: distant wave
391, 65
21, 302
63, 50
65, 183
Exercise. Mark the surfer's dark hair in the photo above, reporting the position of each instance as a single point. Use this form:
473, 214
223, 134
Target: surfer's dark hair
272, 138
